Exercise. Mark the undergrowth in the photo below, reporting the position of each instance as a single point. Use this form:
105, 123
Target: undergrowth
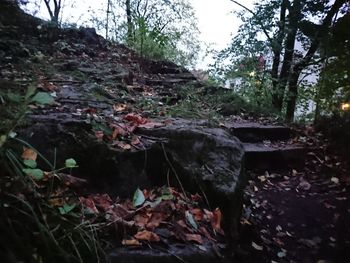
40, 216
213, 103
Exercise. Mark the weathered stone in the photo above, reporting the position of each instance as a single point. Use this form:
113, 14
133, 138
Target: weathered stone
203, 160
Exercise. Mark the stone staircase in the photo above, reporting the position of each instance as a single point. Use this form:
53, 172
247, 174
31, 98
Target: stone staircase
268, 147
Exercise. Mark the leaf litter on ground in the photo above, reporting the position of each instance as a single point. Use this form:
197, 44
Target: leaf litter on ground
151, 212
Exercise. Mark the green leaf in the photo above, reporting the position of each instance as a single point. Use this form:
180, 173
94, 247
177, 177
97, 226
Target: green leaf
70, 163
37, 174
167, 197
65, 209
13, 97
139, 198
3, 139
42, 98
30, 163
190, 220
30, 92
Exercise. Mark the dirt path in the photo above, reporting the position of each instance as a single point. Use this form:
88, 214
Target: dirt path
297, 216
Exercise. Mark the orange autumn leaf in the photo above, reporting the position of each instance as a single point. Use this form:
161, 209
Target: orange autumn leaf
29, 154
146, 235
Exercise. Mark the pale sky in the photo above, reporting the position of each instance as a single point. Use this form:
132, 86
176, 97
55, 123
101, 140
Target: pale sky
216, 21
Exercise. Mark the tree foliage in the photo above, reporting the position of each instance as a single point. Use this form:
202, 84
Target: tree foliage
286, 34
156, 29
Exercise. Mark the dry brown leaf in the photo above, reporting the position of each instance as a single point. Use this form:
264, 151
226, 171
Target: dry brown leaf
155, 220
208, 215
135, 140
216, 220
56, 201
29, 154
141, 220
123, 145
194, 237
89, 204
119, 107
103, 201
146, 235
131, 242
135, 118
151, 125
197, 214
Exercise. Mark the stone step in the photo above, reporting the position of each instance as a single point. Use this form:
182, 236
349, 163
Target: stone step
170, 254
264, 157
254, 132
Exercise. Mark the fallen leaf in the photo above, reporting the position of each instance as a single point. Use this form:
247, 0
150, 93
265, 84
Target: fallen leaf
89, 205
257, 247
131, 242
133, 117
138, 198
135, 140
151, 125
119, 107
123, 145
190, 220
141, 220
103, 201
155, 220
197, 214
216, 221
281, 254
194, 237
66, 209
56, 201
335, 180
29, 154
146, 235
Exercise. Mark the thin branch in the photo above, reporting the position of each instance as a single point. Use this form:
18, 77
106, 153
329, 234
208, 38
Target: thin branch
258, 20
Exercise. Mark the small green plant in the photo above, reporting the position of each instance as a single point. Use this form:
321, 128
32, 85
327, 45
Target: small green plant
40, 216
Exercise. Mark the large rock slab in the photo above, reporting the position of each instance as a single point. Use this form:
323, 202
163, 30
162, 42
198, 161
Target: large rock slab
203, 160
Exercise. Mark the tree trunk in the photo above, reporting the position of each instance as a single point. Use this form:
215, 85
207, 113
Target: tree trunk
277, 49
303, 63
107, 17
292, 94
54, 14
129, 22
294, 18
